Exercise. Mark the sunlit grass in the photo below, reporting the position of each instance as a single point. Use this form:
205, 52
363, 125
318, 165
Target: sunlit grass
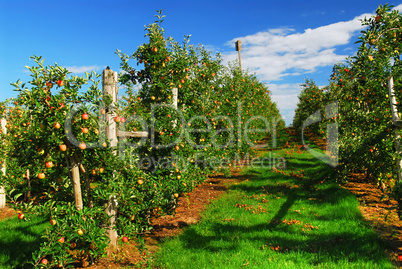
18, 239
280, 219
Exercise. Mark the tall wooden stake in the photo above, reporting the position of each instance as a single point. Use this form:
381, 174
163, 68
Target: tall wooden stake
397, 122
75, 178
109, 84
175, 92
239, 48
3, 170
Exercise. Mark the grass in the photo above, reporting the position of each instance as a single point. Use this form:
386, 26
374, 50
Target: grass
292, 218
18, 239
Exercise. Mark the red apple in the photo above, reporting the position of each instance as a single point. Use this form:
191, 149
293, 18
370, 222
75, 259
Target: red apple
53, 222
125, 239
60, 83
49, 164
63, 147
49, 85
44, 261
61, 240
41, 175
117, 119
85, 116
57, 125
85, 130
82, 146
123, 119
140, 182
21, 216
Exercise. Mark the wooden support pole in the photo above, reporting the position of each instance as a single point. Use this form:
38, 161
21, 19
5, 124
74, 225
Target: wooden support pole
28, 193
175, 92
109, 84
75, 178
239, 48
3, 169
397, 122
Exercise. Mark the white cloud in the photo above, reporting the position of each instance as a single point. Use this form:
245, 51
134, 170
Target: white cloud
82, 69
399, 7
286, 97
276, 53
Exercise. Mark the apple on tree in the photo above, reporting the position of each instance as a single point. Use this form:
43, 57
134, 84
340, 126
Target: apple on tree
82, 146
57, 125
49, 164
61, 240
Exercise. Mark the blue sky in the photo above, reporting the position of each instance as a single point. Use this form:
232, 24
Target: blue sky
283, 41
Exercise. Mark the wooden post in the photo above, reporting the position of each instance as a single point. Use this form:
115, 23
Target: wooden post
28, 193
111, 210
239, 48
3, 169
398, 123
109, 85
175, 92
175, 96
75, 178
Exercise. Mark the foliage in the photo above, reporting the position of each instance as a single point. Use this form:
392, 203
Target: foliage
360, 86
57, 125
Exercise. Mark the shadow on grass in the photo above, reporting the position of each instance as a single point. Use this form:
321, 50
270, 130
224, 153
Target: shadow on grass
15, 250
313, 187
322, 247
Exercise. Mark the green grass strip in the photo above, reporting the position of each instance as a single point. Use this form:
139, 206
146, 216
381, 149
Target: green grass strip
18, 239
292, 218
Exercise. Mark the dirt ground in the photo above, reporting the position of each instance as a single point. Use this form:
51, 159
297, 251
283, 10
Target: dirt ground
380, 212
